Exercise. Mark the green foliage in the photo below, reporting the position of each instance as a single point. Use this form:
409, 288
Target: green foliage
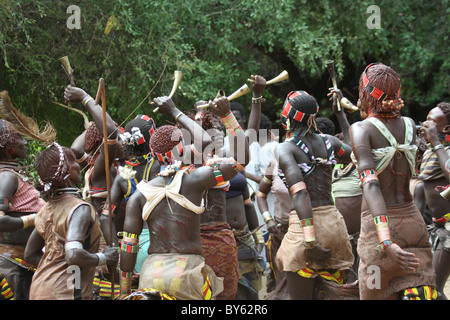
217, 45
33, 149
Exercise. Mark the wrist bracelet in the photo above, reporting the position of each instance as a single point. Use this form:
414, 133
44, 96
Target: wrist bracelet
368, 176
266, 180
231, 125
258, 237
125, 282
178, 115
101, 259
84, 157
383, 232
28, 220
439, 146
86, 100
267, 216
384, 244
258, 100
309, 233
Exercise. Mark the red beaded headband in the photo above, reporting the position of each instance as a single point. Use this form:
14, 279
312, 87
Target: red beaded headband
289, 111
148, 119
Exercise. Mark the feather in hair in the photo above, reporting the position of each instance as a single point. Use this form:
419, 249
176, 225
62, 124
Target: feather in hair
23, 124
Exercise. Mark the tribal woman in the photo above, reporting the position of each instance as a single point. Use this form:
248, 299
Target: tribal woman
140, 165
317, 242
171, 205
241, 212
68, 228
218, 243
346, 188
19, 203
395, 254
95, 178
277, 224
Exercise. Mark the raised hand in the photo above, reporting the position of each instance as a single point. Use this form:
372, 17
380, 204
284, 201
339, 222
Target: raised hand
220, 106
165, 105
74, 94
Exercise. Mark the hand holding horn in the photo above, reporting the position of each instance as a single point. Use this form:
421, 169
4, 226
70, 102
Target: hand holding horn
238, 93
281, 77
344, 102
332, 72
177, 79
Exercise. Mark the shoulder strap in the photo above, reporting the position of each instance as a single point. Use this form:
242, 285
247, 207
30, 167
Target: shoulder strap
409, 131
384, 130
299, 142
148, 168
329, 146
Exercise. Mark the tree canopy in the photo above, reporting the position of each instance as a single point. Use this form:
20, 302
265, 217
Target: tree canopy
137, 45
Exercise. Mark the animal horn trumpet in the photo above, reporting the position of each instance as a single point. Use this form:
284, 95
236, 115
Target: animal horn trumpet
281, 77
176, 82
65, 63
348, 105
238, 93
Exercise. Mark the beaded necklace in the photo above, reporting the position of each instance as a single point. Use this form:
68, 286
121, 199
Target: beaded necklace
135, 161
385, 115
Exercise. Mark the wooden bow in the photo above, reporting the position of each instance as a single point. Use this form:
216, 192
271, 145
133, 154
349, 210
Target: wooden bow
101, 94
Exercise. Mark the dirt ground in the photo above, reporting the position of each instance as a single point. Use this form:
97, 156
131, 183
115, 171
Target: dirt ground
262, 293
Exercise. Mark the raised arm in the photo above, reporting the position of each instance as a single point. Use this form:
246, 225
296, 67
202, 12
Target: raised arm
78, 95
254, 119
199, 137
237, 157
335, 96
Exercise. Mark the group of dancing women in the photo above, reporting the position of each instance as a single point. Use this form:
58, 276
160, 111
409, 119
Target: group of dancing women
166, 211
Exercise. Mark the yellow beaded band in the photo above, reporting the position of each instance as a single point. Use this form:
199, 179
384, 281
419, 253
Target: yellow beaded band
383, 232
